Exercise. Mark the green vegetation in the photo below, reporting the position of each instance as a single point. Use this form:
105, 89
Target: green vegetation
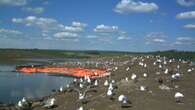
7, 55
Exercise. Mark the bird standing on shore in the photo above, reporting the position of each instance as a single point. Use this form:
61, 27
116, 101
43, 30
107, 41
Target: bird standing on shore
49, 103
178, 96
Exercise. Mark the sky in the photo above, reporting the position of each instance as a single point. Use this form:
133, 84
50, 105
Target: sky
119, 25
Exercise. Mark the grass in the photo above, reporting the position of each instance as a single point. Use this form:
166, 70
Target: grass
7, 55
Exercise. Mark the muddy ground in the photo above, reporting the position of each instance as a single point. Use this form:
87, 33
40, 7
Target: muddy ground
153, 98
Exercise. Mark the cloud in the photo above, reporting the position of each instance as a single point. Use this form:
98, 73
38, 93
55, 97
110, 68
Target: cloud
5, 33
78, 24
186, 3
36, 10
186, 15
155, 37
131, 6
13, 2
91, 36
123, 36
106, 29
184, 41
45, 24
189, 26
65, 35
75, 27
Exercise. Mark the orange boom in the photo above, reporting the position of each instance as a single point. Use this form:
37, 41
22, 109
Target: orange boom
74, 72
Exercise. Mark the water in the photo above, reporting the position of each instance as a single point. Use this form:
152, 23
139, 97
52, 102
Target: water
14, 85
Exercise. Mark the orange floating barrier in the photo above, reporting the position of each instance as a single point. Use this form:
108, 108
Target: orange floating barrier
74, 72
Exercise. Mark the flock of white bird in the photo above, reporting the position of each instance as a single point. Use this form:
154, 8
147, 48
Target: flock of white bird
84, 84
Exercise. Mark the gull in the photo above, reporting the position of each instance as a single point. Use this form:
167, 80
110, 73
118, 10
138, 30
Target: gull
133, 76
166, 71
20, 105
142, 88
189, 70
110, 87
23, 103
145, 75
106, 83
96, 83
127, 69
145, 65
121, 97
160, 66
178, 96
49, 103
24, 100
109, 92
178, 66
80, 108
88, 80
124, 101
127, 79
81, 85
61, 89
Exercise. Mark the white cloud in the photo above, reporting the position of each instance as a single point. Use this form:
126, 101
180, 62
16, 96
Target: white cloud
9, 33
106, 29
184, 41
123, 38
65, 35
131, 6
36, 10
92, 36
186, 15
13, 2
189, 26
45, 24
73, 29
78, 24
186, 3
155, 37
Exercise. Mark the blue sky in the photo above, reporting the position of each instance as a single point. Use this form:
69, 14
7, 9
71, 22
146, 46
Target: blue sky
124, 25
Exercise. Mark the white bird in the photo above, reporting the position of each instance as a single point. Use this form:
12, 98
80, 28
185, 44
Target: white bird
189, 70
24, 100
96, 83
127, 69
109, 92
133, 76
81, 85
49, 103
113, 81
106, 83
178, 66
80, 108
145, 65
75, 80
110, 87
127, 79
61, 89
20, 104
160, 66
88, 80
121, 98
142, 88
166, 71
81, 96
81, 80
145, 75
178, 96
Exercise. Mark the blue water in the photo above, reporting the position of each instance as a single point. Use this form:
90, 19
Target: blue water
14, 85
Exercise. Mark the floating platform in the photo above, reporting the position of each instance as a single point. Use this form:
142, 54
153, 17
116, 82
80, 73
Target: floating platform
73, 72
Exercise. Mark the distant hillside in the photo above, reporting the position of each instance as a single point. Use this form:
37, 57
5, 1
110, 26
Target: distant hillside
12, 54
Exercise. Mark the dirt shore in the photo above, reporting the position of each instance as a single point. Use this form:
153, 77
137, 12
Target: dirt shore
153, 98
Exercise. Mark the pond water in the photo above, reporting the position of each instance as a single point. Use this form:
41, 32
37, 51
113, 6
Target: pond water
14, 85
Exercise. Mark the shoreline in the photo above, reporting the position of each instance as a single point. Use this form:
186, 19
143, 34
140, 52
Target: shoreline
153, 98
